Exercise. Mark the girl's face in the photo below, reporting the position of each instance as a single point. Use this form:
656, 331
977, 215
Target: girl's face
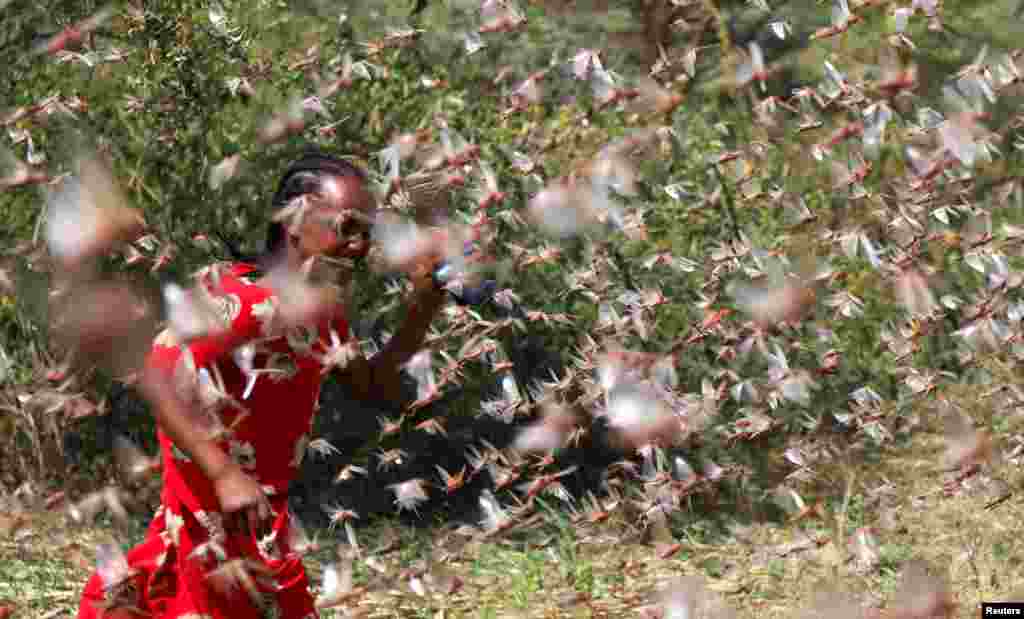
337, 223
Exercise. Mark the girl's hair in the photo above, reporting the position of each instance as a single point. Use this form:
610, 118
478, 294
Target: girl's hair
303, 176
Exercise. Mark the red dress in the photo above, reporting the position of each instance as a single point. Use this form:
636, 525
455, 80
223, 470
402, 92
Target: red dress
186, 539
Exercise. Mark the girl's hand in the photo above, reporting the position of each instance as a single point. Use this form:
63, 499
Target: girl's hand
420, 270
242, 500
408, 248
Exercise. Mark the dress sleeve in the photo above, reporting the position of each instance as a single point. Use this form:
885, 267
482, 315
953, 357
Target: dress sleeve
250, 309
247, 308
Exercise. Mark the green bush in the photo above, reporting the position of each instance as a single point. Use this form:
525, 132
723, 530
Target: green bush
157, 92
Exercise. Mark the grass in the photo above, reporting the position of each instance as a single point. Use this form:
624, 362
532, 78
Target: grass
557, 570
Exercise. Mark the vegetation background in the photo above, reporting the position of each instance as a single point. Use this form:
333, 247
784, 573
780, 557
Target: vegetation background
846, 427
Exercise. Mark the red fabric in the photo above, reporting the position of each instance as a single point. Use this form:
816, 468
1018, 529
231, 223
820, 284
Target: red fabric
186, 540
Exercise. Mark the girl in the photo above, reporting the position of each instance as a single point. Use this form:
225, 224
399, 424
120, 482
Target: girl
218, 546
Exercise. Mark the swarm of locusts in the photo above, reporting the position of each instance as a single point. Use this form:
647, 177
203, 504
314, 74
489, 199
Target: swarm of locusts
901, 181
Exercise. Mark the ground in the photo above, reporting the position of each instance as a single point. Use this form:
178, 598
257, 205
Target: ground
968, 533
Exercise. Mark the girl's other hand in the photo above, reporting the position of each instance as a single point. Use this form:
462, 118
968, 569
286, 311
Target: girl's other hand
242, 500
